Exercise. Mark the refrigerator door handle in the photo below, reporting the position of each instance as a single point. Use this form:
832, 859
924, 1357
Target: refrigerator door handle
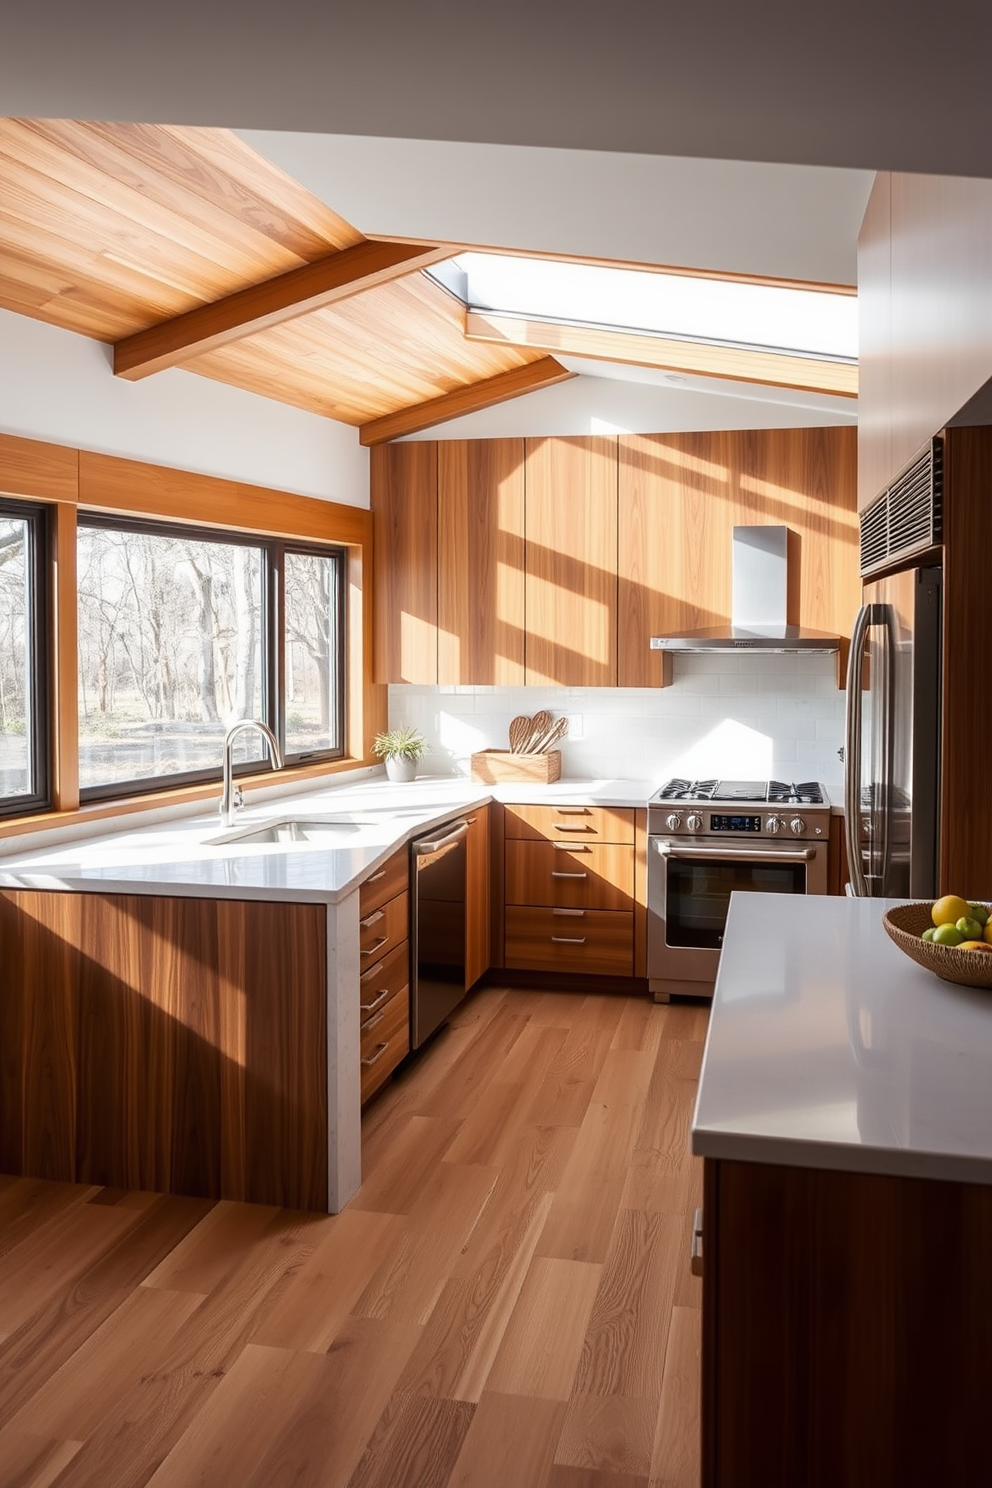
852, 752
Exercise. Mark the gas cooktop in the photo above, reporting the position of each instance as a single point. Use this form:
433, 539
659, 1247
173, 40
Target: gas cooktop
775, 792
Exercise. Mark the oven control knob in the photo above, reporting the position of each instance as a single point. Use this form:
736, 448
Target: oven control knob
673, 822
694, 821
797, 826
774, 824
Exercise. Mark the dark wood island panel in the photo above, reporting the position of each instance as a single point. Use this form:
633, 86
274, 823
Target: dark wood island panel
171, 1044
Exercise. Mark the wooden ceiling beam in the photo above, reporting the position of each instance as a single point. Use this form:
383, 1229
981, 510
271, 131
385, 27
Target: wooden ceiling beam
470, 399
285, 297
693, 358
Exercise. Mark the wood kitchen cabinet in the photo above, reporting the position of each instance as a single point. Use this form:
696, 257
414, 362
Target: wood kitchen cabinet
571, 562
478, 897
170, 1044
680, 496
569, 889
846, 1329
480, 562
405, 549
384, 979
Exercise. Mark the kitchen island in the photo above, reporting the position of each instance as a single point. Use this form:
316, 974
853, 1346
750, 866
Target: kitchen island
845, 1120
180, 1006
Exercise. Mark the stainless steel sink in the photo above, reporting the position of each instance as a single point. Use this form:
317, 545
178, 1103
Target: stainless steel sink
291, 832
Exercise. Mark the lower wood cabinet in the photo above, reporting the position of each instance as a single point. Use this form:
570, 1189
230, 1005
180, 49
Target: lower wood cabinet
569, 888
171, 1044
384, 982
847, 1329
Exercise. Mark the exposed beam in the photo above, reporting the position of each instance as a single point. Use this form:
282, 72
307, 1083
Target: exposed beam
776, 369
477, 395
260, 306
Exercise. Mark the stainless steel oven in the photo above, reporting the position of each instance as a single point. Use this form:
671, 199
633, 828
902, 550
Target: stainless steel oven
710, 839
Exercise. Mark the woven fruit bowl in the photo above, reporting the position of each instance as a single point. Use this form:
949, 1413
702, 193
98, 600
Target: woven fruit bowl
905, 924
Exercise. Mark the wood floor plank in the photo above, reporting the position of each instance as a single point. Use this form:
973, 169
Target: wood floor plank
326, 1288
457, 1095
28, 1203
77, 1397
34, 1461
202, 1260
642, 1024
543, 1340
408, 1283
625, 1345
418, 1445
510, 1443
35, 1269
588, 1200
53, 1334
675, 1450
562, 1476
609, 1434
398, 1181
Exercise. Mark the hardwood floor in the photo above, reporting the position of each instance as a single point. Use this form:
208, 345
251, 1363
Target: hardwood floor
505, 1304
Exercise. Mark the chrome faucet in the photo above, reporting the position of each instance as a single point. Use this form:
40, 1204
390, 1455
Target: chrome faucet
232, 796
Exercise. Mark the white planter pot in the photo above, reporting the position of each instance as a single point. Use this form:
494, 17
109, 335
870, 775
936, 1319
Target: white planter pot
400, 769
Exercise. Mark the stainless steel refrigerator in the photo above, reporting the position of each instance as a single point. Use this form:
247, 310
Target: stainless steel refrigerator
892, 749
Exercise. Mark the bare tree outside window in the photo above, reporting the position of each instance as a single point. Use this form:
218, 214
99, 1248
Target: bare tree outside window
15, 701
312, 652
168, 652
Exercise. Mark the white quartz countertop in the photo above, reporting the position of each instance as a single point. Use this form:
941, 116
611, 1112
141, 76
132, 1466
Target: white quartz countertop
195, 856
829, 1048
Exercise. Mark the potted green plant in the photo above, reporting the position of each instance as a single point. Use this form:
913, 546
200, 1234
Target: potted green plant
402, 749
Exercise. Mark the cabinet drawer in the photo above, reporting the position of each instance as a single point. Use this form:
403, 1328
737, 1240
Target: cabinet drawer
390, 879
382, 929
571, 823
580, 875
384, 979
598, 941
385, 1041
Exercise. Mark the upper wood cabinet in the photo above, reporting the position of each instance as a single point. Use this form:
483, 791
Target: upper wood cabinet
681, 495
925, 314
404, 536
571, 562
480, 564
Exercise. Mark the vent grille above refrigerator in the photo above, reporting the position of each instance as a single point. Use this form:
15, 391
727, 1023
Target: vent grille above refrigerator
906, 518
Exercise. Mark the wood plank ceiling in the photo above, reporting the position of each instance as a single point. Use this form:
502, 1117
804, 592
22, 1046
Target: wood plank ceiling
109, 229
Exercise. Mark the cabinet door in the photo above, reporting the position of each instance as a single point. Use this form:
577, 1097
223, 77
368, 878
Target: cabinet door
481, 562
571, 562
403, 481
674, 525
477, 898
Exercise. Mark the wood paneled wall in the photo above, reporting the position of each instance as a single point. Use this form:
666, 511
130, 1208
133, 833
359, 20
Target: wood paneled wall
177, 1045
925, 313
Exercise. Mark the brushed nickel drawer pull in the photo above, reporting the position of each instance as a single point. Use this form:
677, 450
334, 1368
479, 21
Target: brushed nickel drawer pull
373, 1058
372, 1022
696, 1251
571, 847
568, 827
572, 810
370, 1007
375, 877
575, 912
568, 939
556, 874
383, 940
373, 918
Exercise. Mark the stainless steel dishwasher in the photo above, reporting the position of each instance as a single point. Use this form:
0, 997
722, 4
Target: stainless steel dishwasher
437, 932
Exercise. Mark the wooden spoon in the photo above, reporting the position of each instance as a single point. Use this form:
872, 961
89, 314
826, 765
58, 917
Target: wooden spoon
520, 729
539, 726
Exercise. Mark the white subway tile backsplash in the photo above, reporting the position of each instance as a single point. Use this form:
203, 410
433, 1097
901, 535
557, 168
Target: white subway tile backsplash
780, 715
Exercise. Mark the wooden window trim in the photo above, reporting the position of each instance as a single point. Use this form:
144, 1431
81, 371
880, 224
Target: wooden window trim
69, 479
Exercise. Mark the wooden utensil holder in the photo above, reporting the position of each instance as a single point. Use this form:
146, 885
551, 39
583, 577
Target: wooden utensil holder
497, 766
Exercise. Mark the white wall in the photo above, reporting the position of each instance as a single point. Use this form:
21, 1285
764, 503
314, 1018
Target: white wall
59, 387
739, 717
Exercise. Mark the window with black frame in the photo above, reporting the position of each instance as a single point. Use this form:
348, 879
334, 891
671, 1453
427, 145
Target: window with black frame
24, 659
183, 631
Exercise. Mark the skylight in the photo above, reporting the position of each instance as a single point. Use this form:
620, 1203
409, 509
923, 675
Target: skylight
796, 322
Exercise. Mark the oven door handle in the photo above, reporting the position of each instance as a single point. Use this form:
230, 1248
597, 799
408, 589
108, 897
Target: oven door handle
803, 855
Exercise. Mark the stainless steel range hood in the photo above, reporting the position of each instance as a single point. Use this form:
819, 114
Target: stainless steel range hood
759, 604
